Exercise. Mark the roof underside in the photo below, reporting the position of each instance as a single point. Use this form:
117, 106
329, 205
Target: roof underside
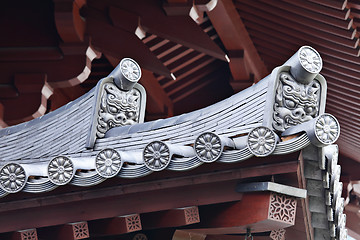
61, 49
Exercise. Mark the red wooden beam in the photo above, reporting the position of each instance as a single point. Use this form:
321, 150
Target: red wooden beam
265, 22
340, 14
171, 218
179, 29
299, 23
30, 234
154, 89
70, 25
31, 88
341, 4
116, 226
73, 231
177, 7
235, 37
258, 211
120, 43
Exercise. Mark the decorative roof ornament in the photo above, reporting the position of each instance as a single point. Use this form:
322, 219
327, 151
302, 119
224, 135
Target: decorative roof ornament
299, 91
120, 100
322, 130
12, 178
327, 129
208, 147
130, 74
261, 141
305, 64
295, 102
117, 108
60, 170
108, 163
156, 156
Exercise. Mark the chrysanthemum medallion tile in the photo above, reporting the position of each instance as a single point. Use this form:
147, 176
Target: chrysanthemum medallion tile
108, 163
12, 178
327, 129
208, 147
130, 69
261, 141
310, 59
156, 156
60, 170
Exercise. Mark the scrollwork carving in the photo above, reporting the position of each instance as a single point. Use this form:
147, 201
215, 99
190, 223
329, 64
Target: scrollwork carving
117, 108
295, 102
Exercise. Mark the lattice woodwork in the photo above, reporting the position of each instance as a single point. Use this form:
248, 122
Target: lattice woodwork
29, 234
278, 234
192, 215
80, 230
282, 208
133, 223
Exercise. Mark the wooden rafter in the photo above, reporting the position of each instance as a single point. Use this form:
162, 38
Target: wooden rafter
186, 32
235, 37
121, 43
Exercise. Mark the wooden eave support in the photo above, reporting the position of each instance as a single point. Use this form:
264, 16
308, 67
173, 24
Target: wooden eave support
259, 211
116, 226
70, 25
171, 218
179, 29
28, 234
176, 7
235, 37
73, 231
118, 42
30, 87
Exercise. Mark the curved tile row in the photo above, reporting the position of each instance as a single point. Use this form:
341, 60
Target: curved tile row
208, 147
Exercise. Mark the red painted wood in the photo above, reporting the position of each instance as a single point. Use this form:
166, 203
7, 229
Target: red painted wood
138, 198
70, 25
116, 226
170, 218
235, 37
186, 32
